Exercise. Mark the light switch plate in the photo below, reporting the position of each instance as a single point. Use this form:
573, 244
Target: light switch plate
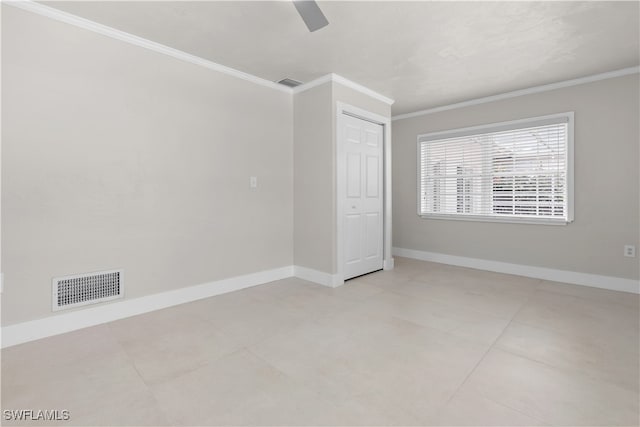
253, 182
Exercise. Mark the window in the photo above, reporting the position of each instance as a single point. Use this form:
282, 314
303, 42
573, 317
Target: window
518, 171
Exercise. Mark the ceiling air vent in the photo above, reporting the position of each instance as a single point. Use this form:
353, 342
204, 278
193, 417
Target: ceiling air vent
290, 82
89, 288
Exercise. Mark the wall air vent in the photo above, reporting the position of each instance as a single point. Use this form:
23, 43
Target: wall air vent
89, 288
289, 82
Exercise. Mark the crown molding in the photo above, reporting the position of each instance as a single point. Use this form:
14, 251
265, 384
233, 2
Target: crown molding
358, 87
313, 83
58, 15
335, 78
516, 93
68, 18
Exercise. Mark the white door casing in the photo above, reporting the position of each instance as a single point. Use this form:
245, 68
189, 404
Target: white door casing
361, 145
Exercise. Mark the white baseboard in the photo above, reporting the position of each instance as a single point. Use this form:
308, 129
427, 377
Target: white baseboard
319, 277
388, 264
585, 279
71, 321
67, 322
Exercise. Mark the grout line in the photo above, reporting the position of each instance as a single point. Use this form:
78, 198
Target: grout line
572, 370
268, 363
129, 357
542, 422
491, 346
538, 362
586, 298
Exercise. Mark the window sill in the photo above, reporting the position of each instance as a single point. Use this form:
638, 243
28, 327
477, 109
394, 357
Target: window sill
505, 219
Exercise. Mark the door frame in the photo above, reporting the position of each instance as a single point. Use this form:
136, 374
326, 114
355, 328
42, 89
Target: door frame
340, 177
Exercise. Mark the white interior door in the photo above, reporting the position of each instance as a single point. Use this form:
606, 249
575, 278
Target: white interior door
362, 148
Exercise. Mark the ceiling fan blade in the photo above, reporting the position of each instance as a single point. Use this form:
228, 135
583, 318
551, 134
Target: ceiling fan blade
311, 14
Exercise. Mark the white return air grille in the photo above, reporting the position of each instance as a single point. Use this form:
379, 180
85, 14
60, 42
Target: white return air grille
89, 288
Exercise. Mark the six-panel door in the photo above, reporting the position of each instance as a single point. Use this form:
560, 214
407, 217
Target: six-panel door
363, 227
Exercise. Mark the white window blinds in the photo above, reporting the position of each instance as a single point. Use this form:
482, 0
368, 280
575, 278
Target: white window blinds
507, 171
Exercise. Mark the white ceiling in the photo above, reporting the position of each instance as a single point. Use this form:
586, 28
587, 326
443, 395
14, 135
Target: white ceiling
422, 54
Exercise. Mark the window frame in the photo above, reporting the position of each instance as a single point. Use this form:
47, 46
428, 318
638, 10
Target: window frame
496, 127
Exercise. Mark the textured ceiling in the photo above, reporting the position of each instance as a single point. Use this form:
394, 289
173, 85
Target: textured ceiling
422, 54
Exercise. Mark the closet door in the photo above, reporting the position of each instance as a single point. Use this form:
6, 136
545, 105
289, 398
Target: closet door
362, 146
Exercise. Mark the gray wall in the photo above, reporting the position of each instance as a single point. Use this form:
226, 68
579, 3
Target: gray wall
314, 123
314, 179
114, 156
358, 99
607, 214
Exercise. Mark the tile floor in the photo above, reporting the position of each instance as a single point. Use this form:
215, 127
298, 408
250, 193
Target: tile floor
424, 344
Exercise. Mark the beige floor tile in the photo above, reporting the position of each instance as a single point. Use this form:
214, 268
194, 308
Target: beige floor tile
486, 281
595, 294
413, 267
163, 345
423, 372
324, 353
243, 390
371, 410
424, 344
154, 324
291, 403
247, 316
356, 291
613, 324
402, 263
308, 301
32, 363
481, 299
101, 390
281, 289
469, 408
292, 288
592, 357
216, 393
384, 279
464, 323
354, 354
553, 395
